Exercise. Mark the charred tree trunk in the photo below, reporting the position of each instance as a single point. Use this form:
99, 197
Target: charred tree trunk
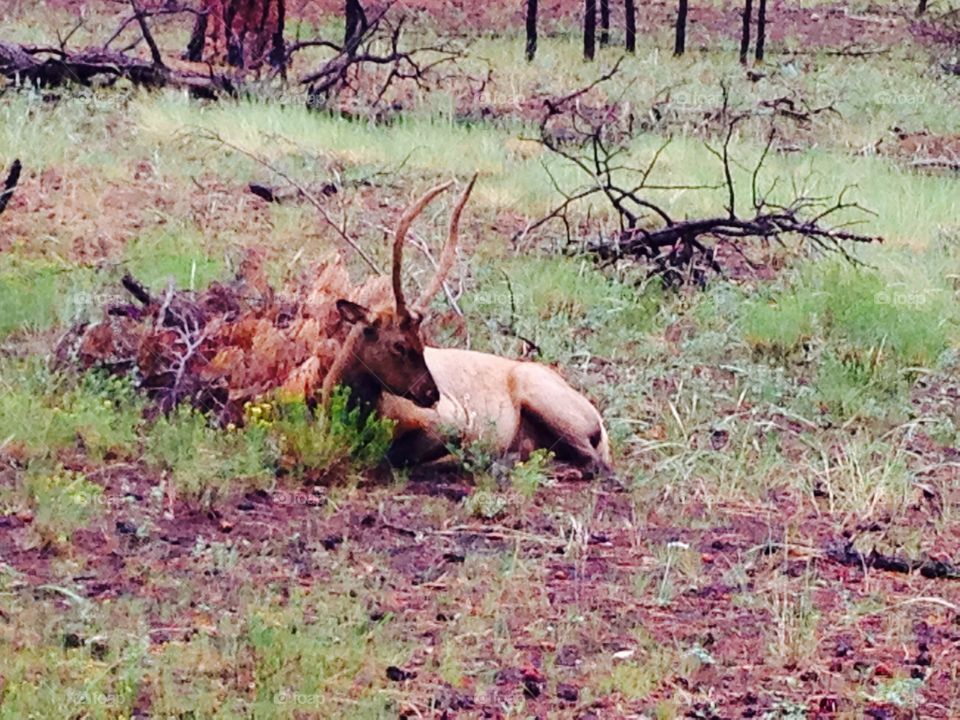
198, 38
589, 29
921, 7
355, 21
604, 23
242, 33
680, 41
10, 184
761, 29
630, 10
745, 32
531, 30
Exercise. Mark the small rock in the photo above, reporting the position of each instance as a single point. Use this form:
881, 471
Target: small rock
99, 650
568, 692
883, 670
568, 656
332, 541
126, 528
399, 675
844, 647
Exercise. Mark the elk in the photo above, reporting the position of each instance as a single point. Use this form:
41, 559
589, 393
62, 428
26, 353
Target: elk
383, 351
512, 405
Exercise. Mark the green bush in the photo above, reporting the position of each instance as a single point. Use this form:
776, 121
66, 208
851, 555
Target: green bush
46, 412
336, 436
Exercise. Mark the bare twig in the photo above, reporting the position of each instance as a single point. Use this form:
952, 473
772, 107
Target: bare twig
210, 135
678, 250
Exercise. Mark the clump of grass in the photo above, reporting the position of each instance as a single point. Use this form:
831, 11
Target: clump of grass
203, 461
339, 435
37, 295
860, 307
486, 503
60, 502
795, 621
528, 476
650, 665
179, 254
867, 334
82, 660
43, 412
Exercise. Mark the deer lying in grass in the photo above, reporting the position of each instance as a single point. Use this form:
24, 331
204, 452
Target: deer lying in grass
516, 407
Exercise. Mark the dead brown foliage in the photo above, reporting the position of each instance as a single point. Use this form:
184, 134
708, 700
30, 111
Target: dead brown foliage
231, 343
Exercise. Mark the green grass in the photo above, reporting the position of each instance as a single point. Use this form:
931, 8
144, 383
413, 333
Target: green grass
204, 462
277, 658
46, 413
37, 295
181, 254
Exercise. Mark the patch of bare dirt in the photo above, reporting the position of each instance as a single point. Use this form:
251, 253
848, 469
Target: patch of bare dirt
923, 150
88, 218
731, 606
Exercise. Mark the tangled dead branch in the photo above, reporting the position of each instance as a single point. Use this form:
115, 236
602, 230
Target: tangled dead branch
228, 344
677, 250
374, 43
364, 47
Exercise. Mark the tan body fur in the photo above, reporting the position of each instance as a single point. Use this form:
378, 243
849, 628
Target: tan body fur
509, 405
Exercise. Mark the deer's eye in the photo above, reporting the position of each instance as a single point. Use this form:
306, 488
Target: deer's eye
399, 349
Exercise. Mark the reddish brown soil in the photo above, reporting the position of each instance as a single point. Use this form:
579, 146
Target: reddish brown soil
741, 555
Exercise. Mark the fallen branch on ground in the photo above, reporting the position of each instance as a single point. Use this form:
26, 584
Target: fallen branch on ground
677, 250
935, 569
53, 67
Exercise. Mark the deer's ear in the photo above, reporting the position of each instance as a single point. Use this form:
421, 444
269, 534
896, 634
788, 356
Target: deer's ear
352, 313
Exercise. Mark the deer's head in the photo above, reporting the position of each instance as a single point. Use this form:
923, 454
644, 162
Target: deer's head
387, 347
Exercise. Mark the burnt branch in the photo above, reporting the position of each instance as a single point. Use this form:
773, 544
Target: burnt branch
50, 67
10, 184
594, 140
377, 42
846, 554
155, 54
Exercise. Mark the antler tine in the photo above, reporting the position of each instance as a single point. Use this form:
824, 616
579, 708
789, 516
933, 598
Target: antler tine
449, 250
403, 226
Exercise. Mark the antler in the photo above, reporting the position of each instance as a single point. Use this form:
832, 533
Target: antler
406, 220
449, 251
